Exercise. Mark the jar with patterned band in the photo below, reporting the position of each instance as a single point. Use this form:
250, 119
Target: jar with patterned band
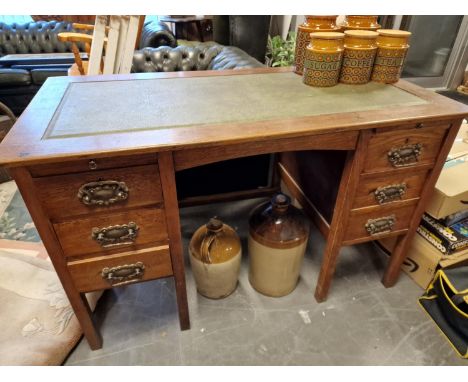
392, 46
312, 24
360, 23
278, 234
360, 47
215, 257
323, 59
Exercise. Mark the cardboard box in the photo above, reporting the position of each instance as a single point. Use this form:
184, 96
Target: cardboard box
423, 259
451, 190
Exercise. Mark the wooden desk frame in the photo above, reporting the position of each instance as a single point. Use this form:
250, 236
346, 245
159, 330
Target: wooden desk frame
24, 149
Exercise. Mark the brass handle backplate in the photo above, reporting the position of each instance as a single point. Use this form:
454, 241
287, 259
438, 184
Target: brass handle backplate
380, 225
405, 155
115, 235
103, 192
123, 274
387, 194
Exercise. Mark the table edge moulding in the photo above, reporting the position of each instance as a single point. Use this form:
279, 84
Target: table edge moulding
325, 160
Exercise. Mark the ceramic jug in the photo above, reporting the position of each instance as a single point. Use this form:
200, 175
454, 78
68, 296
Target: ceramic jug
215, 257
278, 234
311, 24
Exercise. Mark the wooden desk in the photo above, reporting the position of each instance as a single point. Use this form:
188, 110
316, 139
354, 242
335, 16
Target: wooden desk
95, 159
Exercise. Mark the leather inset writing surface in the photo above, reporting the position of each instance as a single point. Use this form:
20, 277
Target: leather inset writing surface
92, 108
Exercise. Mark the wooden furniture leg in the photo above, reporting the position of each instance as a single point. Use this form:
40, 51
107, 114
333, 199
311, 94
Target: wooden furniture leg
168, 183
77, 300
399, 252
200, 30
349, 180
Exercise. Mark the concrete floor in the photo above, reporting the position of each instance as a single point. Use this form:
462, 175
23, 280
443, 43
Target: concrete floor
361, 323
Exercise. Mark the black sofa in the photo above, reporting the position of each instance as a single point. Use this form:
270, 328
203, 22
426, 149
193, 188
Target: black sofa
20, 82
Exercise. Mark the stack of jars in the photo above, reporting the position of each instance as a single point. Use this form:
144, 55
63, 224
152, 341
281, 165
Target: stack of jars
354, 53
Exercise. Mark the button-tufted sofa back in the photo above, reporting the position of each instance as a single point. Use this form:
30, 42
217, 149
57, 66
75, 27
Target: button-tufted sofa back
203, 56
33, 37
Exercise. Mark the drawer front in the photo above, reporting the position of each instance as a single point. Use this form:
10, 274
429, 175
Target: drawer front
366, 225
120, 269
381, 189
404, 148
90, 192
108, 233
96, 164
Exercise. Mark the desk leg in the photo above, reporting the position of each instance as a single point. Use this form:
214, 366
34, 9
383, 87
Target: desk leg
46, 231
349, 181
168, 183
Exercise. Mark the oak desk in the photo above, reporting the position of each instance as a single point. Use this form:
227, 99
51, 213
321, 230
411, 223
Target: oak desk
95, 159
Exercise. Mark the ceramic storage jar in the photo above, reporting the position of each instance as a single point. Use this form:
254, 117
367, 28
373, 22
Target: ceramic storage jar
360, 47
392, 46
278, 234
215, 256
323, 59
312, 24
361, 23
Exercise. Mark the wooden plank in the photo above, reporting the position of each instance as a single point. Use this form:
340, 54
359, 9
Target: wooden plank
196, 157
44, 227
95, 55
124, 20
111, 47
129, 47
166, 169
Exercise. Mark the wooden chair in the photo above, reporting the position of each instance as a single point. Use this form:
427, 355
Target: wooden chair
110, 47
7, 119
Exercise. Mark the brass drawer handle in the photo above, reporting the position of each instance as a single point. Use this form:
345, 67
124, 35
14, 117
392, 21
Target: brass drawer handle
115, 235
387, 194
123, 274
405, 155
103, 193
380, 225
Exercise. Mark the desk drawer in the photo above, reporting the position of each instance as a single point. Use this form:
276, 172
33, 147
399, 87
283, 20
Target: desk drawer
120, 269
108, 233
90, 192
373, 223
404, 148
389, 187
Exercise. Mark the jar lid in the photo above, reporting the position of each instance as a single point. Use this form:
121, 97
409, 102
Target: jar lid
361, 33
393, 33
321, 16
327, 35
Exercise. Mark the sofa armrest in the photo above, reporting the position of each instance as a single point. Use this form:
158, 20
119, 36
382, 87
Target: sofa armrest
155, 34
232, 57
14, 77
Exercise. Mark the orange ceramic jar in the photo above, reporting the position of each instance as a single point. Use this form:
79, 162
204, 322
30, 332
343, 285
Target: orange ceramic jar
360, 47
361, 22
323, 59
392, 45
312, 24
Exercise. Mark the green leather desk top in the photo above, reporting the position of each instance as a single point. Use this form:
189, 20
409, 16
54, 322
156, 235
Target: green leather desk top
92, 108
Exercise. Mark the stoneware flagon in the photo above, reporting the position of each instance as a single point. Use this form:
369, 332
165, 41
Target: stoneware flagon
278, 234
311, 24
323, 59
215, 257
392, 46
360, 48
